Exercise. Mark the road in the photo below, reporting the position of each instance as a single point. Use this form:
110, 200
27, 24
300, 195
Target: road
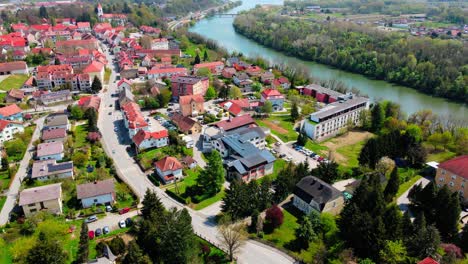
131, 174
403, 201
22, 172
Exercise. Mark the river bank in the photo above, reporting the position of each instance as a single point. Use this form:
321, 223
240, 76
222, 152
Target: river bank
221, 30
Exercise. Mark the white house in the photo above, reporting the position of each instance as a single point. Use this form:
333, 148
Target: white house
311, 194
124, 84
144, 139
8, 129
56, 121
50, 151
50, 169
169, 169
94, 193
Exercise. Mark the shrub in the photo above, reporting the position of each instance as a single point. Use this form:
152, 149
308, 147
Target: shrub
93, 137
274, 217
117, 245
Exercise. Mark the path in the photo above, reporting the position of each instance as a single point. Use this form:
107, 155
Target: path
403, 201
20, 175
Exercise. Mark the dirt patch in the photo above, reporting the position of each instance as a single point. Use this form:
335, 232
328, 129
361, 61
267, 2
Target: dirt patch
125, 236
275, 127
347, 139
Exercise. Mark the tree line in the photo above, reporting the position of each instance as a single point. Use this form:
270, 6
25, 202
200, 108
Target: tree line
432, 66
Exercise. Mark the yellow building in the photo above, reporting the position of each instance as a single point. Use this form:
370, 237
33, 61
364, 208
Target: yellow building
454, 174
44, 198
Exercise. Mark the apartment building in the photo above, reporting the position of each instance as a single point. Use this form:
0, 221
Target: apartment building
454, 174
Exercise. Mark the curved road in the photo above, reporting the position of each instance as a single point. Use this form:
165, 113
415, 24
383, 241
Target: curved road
130, 173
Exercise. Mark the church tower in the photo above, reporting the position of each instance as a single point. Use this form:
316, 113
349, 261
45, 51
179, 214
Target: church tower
99, 10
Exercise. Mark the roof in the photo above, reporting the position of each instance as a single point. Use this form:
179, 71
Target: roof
428, 260
167, 70
3, 124
133, 115
168, 164
10, 110
96, 188
15, 93
40, 194
187, 99
188, 160
141, 135
182, 122
232, 107
323, 90
208, 64
95, 66
53, 133
51, 148
124, 81
50, 167
458, 166
92, 101
56, 120
12, 66
271, 92
187, 79
338, 106
236, 122
312, 188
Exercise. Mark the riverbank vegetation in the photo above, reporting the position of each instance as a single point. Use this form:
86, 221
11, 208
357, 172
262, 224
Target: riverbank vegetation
432, 66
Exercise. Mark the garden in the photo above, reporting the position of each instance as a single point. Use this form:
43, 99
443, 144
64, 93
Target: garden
14, 81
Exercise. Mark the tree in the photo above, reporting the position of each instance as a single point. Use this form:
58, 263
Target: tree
377, 118
164, 97
392, 185
435, 140
197, 59
96, 86
274, 217
43, 12
394, 252
205, 56
302, 138
211, 179
267, 107
294, 112
76, 113
135, 255
425, 240
235, 93
327, 171
92, 117
464, 239
305, 232
57, 61
47, 251
83, 248
232, 237
117, 245
151, 204
5, 164
256, 87
210, 93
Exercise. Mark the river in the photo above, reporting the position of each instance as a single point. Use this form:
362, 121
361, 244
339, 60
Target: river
221, 30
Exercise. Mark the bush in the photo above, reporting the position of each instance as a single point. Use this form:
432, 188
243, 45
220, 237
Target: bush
274, 217
117, 245
175, 196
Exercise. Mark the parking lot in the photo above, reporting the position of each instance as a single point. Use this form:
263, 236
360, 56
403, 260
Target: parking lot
288, 153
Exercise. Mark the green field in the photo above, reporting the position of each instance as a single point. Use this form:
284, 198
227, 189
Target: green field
316, 148
281, 126
13, 82
81, 132
441, 156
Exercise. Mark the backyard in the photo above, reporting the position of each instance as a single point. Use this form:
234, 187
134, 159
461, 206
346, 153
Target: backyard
14, 81
17, 147
281, 126
147, 157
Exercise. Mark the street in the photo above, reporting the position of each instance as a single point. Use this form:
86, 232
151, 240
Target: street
131, 174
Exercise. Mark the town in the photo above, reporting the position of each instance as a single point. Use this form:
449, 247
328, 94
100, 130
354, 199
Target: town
147, 143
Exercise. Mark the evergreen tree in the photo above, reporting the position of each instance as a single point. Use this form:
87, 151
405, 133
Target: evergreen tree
177, 238
392, 185
302, 138
96, 86
197, 59
92, 117
464, 239
34, 82
294, 112
83, 248
210, 93
407, 228
377, 117
233, 200
393, 223
5, 165
447, 214
284, 183
304, 232
394, 252
46, 251
425, 240
254, 221
151, 204
370, 154
211, 179
57, 61
205, 56
327, 171
43, 12
135, 255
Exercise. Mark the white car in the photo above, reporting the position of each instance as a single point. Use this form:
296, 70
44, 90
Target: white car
122, 224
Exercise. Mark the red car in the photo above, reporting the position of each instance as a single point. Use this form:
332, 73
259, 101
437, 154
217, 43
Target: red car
91, 234
124, 210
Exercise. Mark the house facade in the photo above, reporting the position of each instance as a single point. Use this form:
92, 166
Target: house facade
133, 119
50, 151
275, 97
191, 105
14, 67
189, 85
454, 174
11, 113
311, 193
44, 198
169, 169
145, 140
185, 124
8, 129
95, 193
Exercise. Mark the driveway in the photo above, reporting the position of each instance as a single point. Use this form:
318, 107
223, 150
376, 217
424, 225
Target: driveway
111, 220
403, 201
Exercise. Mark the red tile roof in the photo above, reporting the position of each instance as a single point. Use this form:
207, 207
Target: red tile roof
13, 66
95, 66
270, 92
124, 81
17, 94
236, 122
208, 64
10, 110
186, 99
169, 70
3, 124
134, 116
428, 260
168, 164
141, 135
182, 122
54, 133
232, 107
83, 24
458, 166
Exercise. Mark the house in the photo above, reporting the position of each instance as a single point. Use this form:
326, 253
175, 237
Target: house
215, 67
275, 97
311, 193
124, 84
92, 101
185, 124
11, 113
454, 174
55, 121
191, 105
14, 96
83, 27
54, 135
145, 139
428, 260
95, 193
54, 97
330, 120
95, 69
133, 119
283, 82
14, 67
236, 122
168, 169
243, 80
189, 85
44, 198
189, 162
267, 77
50, 150
50, 169
228, 72
254, 71
8, 129
166, 73
160, 44
236, 107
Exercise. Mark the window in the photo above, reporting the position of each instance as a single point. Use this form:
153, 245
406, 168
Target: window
451, 184
95, 200
31, 205
441, 179
454, 177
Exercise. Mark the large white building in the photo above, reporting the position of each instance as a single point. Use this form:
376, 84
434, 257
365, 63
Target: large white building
8, 129
332, 118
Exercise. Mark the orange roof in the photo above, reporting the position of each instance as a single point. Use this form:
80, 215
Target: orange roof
141, 135
208, 64
15, 93
458, 166
10, 110
168, 164
186, 99
3, 124
168, 70
134, 115
271, 92
93, 67
428, 260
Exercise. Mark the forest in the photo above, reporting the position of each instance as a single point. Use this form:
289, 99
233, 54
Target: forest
432, 66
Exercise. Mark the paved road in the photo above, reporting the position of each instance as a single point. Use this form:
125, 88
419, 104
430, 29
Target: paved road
403, 201
131, 174
22, 172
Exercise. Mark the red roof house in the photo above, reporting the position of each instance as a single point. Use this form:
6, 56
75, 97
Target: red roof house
11, 112
168, 169
215, 67
457, 166
428, 260
236, 122
145, 139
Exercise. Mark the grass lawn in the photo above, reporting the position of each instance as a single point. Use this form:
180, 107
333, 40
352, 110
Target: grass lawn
2, 202
351, 153
406, 185
280, 126
17, 147
279, 164
2, 97
440, 156
4, 179
285, 233
81, 132
316, 148
107, 74
13, 82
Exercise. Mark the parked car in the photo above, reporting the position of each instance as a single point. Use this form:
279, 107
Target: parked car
91, 219
124, 210
98, 232
282, 155
91, 234
122, 224
108, 208
278, 143
128, 221
106, 230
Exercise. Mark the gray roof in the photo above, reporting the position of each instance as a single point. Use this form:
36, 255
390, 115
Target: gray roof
339, 106
323, 90
241, 148
56, 120
50, 167
312, 188
55, 95
40, 194
51, 148
93, 189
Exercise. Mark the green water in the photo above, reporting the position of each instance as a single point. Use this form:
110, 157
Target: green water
221, 30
